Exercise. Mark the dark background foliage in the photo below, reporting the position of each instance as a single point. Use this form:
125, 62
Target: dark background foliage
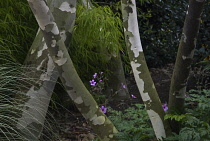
160, 27
18, 29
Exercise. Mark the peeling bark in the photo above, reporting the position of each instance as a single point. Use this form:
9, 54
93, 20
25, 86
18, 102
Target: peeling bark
184, 58
84, 101
141, 73
43, 74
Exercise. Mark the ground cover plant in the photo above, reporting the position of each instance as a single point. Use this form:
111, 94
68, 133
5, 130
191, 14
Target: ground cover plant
135, 126
33, 83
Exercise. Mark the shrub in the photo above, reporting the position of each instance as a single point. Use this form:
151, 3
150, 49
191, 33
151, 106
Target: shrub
196, 122
18, 29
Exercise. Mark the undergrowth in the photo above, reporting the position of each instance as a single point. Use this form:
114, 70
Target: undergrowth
134, 123
12, 79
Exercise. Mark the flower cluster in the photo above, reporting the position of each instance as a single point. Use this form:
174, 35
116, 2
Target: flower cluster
97, 83
123, 86
133, 96
165, 107
103, 109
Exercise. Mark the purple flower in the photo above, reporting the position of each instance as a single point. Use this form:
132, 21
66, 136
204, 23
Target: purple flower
100, 80
92, 82
123, 86
103, 109
94, 76
165, 107
133, 96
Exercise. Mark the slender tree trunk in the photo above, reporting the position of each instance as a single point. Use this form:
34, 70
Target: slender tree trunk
141, 73
43, 74
117, 86
84, 101
184, 58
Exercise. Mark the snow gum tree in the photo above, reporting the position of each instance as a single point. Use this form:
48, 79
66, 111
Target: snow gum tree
184, 58
84, 101
140, 70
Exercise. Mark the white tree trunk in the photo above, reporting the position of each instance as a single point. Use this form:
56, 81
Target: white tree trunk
43, 74
84, 101
141, 73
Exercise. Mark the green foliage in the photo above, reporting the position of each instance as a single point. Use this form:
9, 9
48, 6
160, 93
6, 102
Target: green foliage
196, 122
133, 123
18, 28
97, 37
12, 79
199, 104
205, 63
181, 117
203, 46
9, 74
160, 26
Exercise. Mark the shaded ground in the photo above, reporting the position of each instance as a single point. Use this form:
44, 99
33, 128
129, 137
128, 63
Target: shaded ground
73, 127
161, 78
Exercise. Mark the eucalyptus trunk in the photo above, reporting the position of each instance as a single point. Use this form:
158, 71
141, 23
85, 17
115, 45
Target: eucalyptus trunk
184, 58
84, 101
140, 70
43, 74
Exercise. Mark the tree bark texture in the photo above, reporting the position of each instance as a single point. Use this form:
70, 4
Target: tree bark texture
84, 101
184, 57
43, 74
117, 86
141, 73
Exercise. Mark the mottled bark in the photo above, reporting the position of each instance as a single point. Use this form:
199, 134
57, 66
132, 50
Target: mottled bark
43, 74
141, 73
84, 101
184, 57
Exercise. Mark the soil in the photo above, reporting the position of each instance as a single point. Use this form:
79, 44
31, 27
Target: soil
73, 127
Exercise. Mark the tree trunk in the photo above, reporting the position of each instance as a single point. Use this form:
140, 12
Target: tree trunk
43, 75
117, 84
141, 73
84, 101
184, 58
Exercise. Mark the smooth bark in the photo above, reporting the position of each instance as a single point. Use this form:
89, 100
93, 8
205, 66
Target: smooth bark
43, 74
117, 86
141, 73
184, 58
84, 101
